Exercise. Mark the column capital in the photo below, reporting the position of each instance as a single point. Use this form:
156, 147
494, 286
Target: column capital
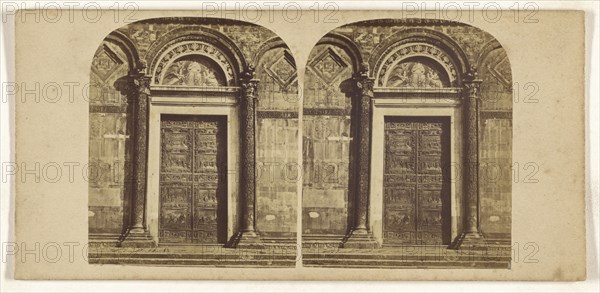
472, 84
140, 81
249, 89
362, 82
142, 84
249, 84
473, 88
364, 86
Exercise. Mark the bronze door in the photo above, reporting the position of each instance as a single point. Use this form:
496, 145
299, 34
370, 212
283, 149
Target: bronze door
416, 206
193, 179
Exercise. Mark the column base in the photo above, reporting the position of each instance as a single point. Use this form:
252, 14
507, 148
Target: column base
138, 238
246, 239
362, 239
468, 240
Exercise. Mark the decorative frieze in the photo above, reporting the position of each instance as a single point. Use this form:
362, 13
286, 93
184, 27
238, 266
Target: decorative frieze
398, 54
187, 48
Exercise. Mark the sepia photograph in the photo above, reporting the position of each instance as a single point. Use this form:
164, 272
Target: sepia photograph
299, 146
184, 113
407, 145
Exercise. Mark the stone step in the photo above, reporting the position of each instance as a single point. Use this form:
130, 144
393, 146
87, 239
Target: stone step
325, 244
409, 257
194, 256
447, 258
404, 264
411, 250
421, 247
193, 262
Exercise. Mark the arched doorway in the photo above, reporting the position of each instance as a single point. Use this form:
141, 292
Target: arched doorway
193, 134
417, 126
400, 134
193, 189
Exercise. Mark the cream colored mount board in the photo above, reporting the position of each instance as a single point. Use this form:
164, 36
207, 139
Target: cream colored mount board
370, 147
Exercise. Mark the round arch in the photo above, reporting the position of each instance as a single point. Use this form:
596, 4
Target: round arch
347, 45
273, 43
418, 54
429, 43
487, 49
128, 47
197, 40
187, 50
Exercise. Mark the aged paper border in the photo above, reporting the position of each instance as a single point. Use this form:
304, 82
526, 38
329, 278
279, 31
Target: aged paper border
563, 261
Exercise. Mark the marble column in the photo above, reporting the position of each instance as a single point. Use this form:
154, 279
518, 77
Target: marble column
248, 235
360, 235
137, 234
471, 235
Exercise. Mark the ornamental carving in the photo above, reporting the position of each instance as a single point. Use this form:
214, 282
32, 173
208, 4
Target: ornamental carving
107, 61
397, 71
282, 70
364, 87
498, 66
473, 88
472, 84
248, 84
364, 84
328, 66
141, 84
193, 72
169, 70
193, 161
414, 195
416, 74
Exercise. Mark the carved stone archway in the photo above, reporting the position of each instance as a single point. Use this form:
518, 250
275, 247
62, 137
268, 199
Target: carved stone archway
222, 82
450, 88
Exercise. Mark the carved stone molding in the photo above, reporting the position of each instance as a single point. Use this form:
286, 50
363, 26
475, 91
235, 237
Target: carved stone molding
396, 54
141, 84
249, 89
282, 70
189, 48
365, 87
328, 66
